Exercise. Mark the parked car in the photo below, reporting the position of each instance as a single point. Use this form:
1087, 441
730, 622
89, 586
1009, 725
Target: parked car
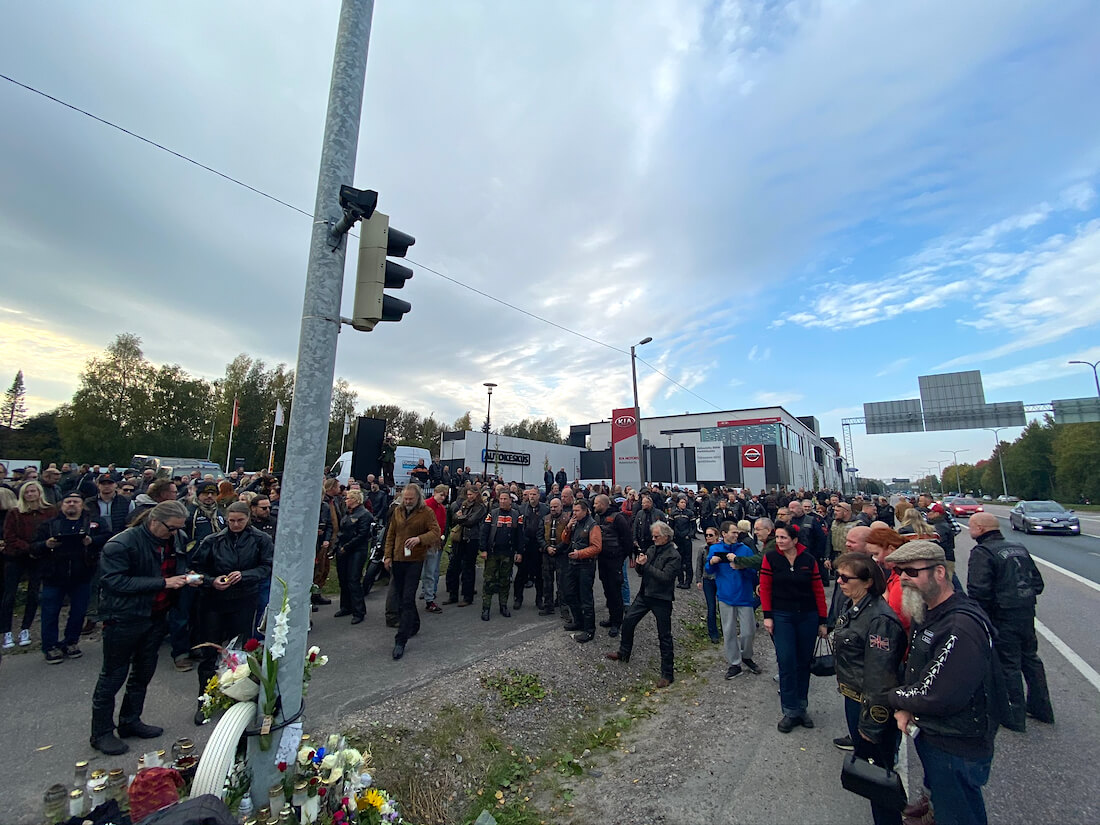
1007, 499
1044, 517
987, 498
963, 506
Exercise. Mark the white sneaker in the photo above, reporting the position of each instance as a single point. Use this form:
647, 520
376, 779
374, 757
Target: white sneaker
9, 643
24, 638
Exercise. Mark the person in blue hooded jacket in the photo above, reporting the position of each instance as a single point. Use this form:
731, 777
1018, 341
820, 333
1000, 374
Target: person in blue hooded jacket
734, 566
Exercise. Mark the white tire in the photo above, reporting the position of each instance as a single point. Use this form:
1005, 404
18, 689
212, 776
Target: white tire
221, 751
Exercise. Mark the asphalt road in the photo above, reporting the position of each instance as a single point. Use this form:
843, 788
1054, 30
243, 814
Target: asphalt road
1040, 776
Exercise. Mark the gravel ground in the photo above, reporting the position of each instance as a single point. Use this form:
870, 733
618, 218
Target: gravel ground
604, 744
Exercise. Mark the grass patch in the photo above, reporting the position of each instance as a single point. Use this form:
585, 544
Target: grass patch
515, 687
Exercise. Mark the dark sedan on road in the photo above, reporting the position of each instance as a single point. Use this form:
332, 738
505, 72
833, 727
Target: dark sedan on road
964, 506
1043, 517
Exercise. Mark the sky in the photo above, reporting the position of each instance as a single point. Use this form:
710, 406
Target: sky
802, 203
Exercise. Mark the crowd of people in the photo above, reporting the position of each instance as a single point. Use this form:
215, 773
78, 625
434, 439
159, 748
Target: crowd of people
189, 561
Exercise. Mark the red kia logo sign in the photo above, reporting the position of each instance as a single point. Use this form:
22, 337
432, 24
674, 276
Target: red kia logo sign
625, 421
752, 455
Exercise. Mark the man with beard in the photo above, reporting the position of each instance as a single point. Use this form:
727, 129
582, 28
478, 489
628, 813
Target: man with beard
554, 559
529, 570
466, 517
947, 693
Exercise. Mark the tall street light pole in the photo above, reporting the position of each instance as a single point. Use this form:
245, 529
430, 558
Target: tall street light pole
1000, 458
955, 456
939, 471
638, 413
488, 412
1094, 365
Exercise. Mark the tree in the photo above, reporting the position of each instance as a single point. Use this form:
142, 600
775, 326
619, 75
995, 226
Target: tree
1029, 461
343, 408
538, 429
463, 423
1077, 462
13, 411
106, 420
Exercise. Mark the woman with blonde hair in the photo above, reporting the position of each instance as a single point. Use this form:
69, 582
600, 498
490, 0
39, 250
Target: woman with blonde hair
912, 523
20, 526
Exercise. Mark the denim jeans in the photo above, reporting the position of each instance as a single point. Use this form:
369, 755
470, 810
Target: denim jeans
626, 581
710, 593
794, 646
956, 784
181, 621
15, 569
53, 596
429, 577
884, 753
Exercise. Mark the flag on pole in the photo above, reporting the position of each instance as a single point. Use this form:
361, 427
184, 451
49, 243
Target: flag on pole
278, 414
236, 416
347, 424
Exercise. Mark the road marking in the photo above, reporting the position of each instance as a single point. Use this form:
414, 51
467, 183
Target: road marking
1082, 666
1070, 573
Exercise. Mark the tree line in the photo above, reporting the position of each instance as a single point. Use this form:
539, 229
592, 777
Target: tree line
125, 405
1048, 461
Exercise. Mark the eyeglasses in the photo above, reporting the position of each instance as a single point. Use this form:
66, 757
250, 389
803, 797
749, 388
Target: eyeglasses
127, 489
912, 572
844, 579
172, 529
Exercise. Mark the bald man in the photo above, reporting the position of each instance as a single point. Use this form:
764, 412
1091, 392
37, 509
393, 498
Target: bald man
856, 539
1003, 579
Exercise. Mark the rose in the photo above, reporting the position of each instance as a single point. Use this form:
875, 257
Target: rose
281, 767
251, 646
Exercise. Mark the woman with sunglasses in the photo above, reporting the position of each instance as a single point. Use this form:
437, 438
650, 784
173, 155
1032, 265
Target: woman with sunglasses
707, 584
870, 644
793, 600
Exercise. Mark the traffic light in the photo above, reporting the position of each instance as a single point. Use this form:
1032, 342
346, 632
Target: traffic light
375, 273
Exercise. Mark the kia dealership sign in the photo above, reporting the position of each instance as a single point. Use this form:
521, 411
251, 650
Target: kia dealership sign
626, 466
752, 455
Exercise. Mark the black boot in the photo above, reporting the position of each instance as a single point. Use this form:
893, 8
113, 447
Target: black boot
504, 611
485, 614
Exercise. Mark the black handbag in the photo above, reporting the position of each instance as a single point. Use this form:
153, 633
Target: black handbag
823, 662
880, 785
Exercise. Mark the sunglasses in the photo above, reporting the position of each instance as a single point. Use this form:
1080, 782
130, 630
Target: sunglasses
844, 579
912, 572
127, 489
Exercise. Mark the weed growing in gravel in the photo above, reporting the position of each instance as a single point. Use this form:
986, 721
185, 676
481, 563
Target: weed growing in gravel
515, 687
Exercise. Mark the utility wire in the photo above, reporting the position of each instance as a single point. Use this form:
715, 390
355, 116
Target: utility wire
310, 215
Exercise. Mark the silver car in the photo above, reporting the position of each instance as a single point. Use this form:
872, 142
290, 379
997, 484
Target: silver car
1044, 517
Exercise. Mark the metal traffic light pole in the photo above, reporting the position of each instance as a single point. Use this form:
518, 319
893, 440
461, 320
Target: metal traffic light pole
307, 434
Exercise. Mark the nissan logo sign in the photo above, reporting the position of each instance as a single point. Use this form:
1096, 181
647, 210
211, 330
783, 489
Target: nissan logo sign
625, 421
752, 454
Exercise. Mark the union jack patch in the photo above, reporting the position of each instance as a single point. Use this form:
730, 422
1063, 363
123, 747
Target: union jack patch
879, 642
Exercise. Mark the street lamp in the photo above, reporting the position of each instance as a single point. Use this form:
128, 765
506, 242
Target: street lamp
955, 456
1094, 365
939, 471
1000, 458
488, 410
638, 413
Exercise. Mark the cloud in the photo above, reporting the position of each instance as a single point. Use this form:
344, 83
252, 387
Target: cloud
777, 399
1034, 372
1057, 295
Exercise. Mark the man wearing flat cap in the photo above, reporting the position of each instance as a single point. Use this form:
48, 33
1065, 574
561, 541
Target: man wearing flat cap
949, 692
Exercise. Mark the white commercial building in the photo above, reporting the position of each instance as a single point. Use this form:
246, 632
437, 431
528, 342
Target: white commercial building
513, 459
760, 448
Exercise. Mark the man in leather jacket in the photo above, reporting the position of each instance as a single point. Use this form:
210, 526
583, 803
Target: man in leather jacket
949, 690
466, 515
618, 540
233, 563
1003, 579
139, 574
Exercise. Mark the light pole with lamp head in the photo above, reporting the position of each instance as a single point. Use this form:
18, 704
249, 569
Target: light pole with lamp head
939, 471
1000, 458
488, 411
958, 476
1094, 365
638, 413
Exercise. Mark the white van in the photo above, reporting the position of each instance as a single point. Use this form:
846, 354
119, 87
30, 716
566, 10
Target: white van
404, 463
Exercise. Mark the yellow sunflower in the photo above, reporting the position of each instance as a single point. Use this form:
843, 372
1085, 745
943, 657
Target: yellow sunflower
370, 799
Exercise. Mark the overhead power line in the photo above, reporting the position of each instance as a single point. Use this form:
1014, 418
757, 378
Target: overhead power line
300, 211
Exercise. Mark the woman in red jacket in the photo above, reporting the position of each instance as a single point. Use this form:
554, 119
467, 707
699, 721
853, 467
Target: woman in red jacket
19, 529
793, 600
